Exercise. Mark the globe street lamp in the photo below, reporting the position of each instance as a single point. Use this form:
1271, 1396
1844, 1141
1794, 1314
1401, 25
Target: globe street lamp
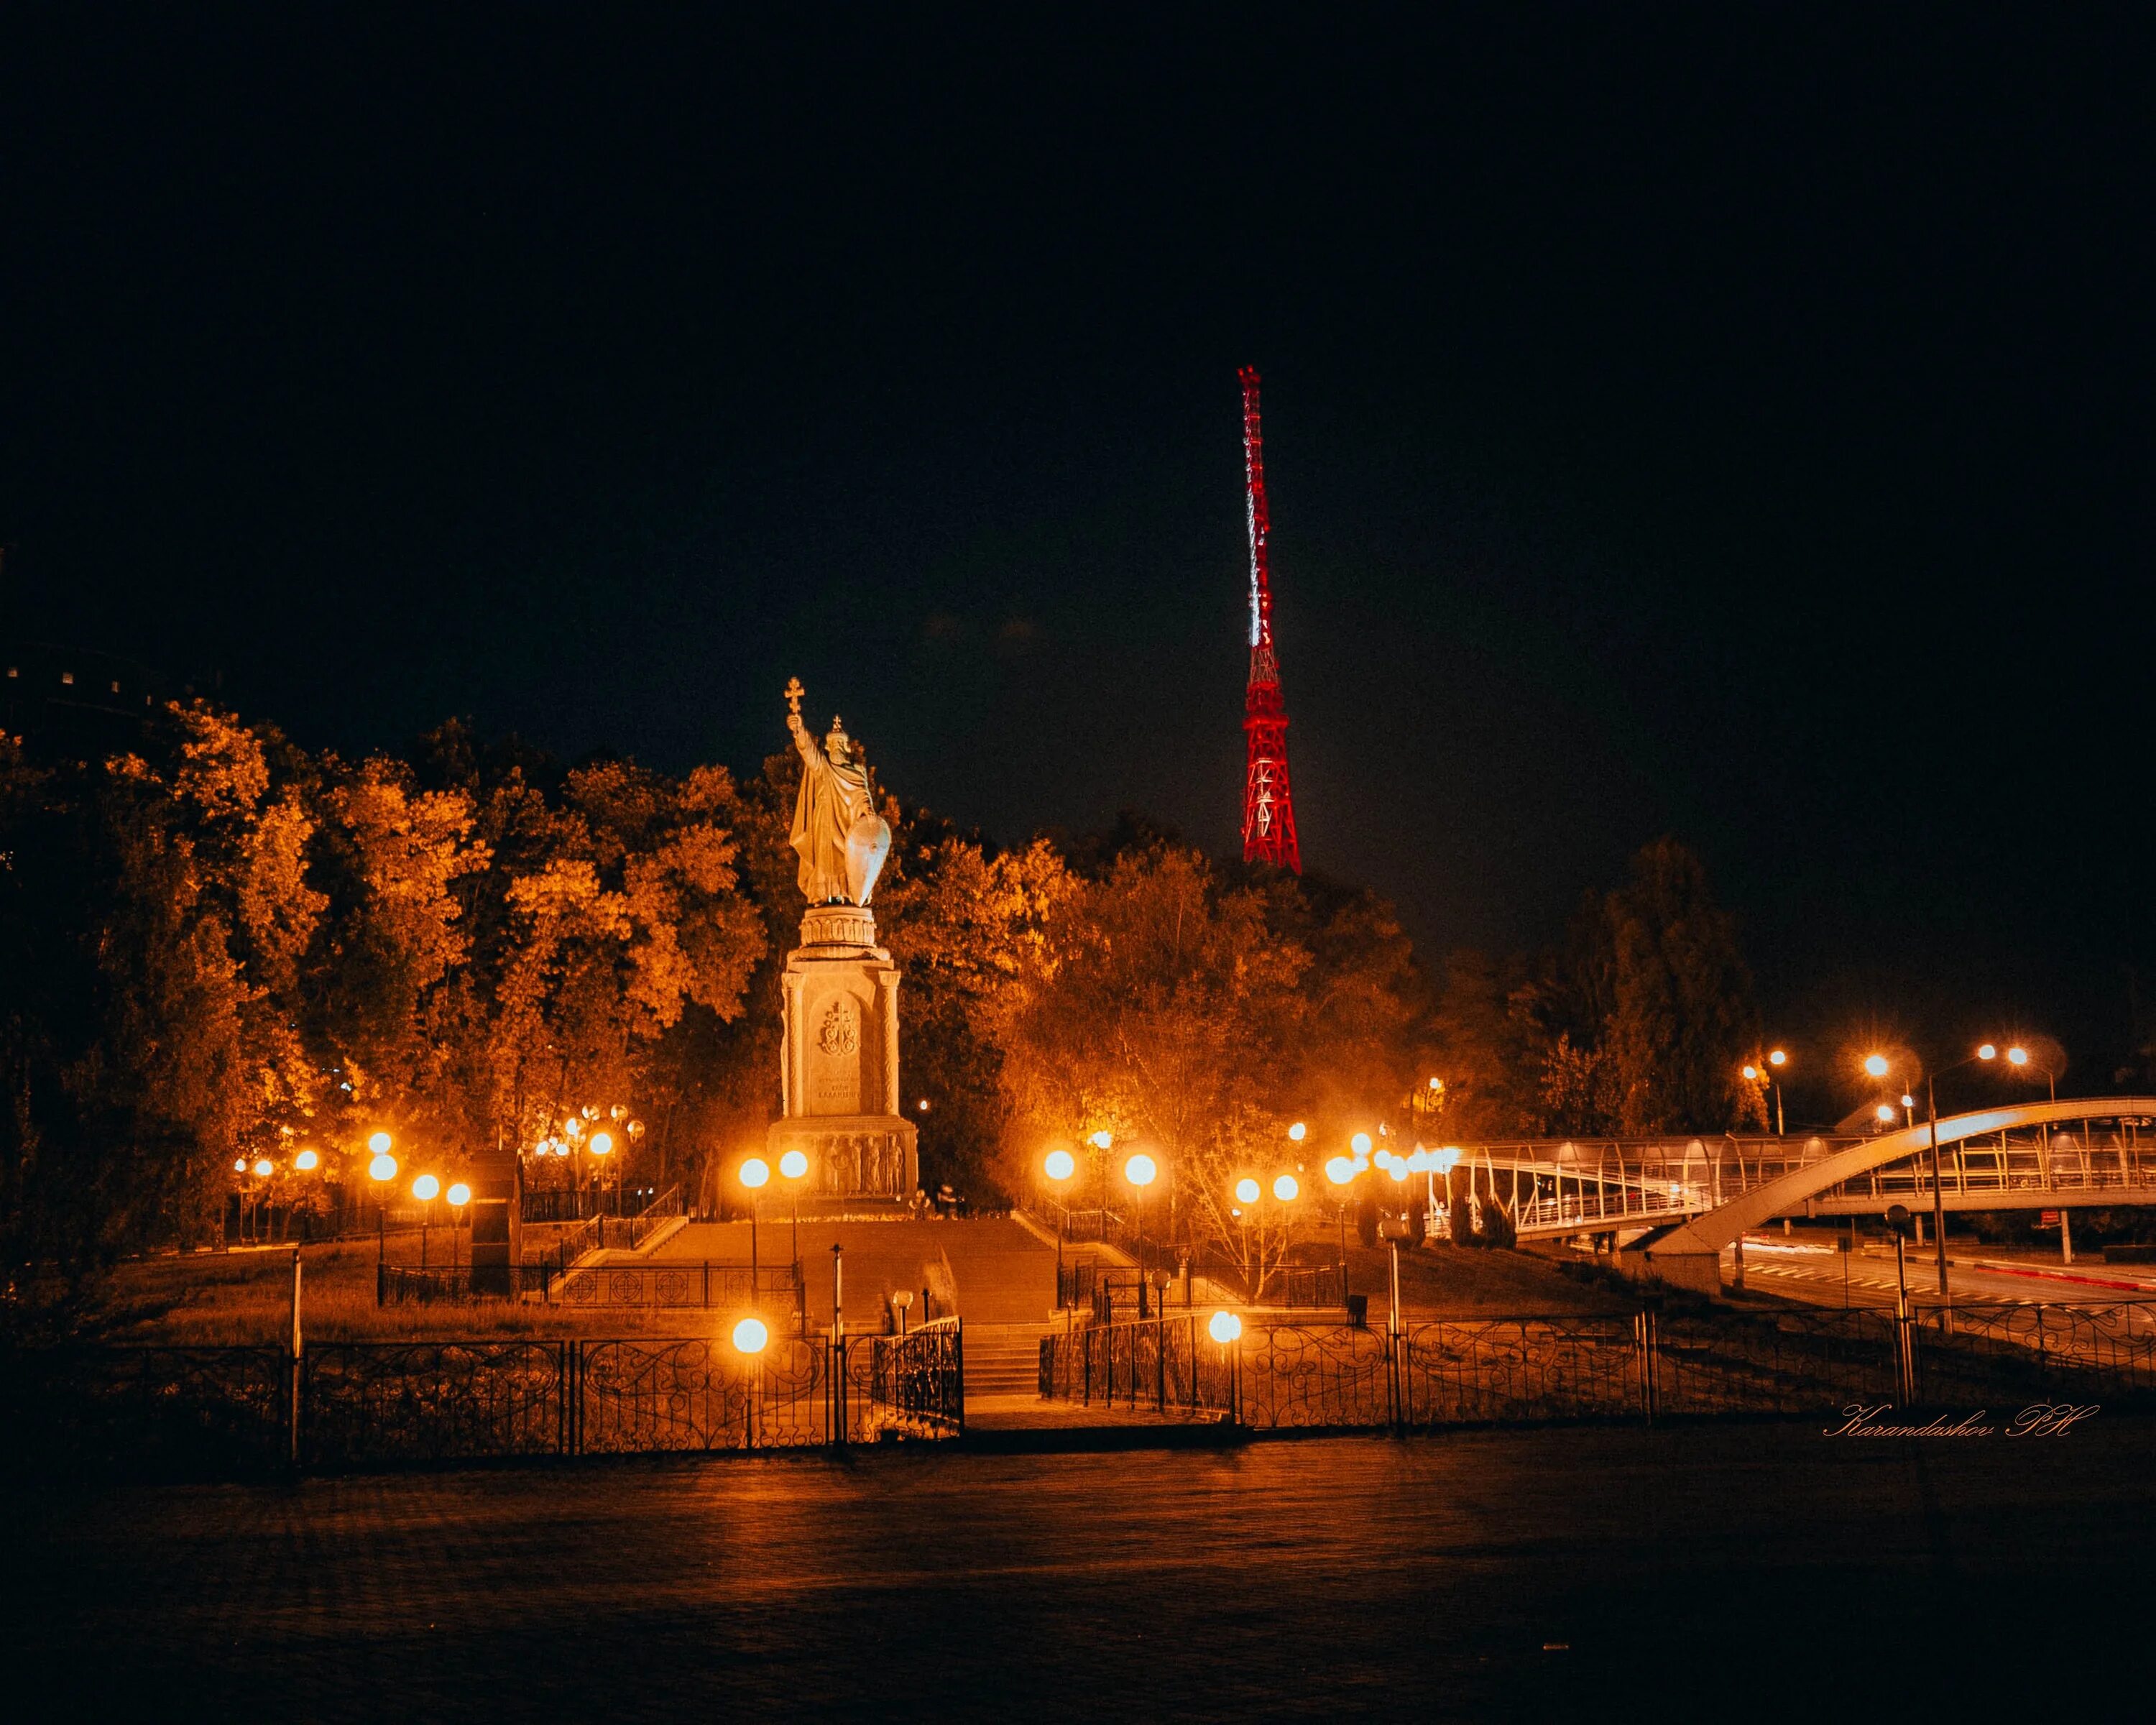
1766, 1073
601, 1145
1141, 1171
458, 1195
425, 1188
751, 1336
1059, 1166
793, 1168
2018, 1058
1103, 1142
755, 1174
1226, 1329
1341, 1171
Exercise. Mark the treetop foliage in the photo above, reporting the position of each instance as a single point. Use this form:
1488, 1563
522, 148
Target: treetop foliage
222, 945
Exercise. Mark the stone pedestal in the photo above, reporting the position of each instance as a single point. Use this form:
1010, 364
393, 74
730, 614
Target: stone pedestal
838, 1062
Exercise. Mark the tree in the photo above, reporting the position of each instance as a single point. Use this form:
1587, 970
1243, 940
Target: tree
1157, 1012
1680, 1017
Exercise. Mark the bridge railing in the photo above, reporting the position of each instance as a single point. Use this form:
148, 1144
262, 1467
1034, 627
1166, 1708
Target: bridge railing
1551, 1188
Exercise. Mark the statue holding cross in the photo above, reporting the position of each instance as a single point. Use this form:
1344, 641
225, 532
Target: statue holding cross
840, 838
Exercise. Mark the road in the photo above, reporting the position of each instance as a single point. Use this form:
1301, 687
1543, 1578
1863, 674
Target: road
1814, 1270
1746, 1571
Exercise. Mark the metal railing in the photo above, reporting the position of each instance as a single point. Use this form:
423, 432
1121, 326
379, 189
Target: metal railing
919, 1378
1648, 1365
1165, 1363
1586, 1185
577, 1203
351, 1404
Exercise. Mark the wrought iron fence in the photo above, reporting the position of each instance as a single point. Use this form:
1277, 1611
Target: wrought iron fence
634, 1397
653, 1286
674, 1285
151, 1411
1165, 1363
356, 1404
1306, 1286
1502, 1370
1649, 1365
364, 1402
577, 1203
918, 1383
2105, 1353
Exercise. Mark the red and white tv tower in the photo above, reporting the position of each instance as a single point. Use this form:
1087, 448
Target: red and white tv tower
1268, 811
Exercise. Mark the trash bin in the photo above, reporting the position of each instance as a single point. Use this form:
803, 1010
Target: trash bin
1358, 1310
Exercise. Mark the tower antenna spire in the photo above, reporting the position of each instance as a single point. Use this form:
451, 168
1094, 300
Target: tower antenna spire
1268, 811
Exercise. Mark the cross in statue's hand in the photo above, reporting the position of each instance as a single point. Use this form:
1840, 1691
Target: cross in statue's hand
794, 691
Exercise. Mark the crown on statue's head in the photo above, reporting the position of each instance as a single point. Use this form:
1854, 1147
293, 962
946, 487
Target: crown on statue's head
835, 740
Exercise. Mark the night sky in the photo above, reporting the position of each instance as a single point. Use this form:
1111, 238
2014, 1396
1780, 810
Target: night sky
1734, 423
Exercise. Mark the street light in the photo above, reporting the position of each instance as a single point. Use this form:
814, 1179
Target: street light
425, 1188
1224, 1327
2018, 1057
307, 1161
1285, 1189
751, 1336
458, 1195
1768, 1073
1247, 1190
1103, 1141
1297, 1133
1141, 1170
1341, 1171
601, 1145
755, 1174
1060, 1165
793, 1168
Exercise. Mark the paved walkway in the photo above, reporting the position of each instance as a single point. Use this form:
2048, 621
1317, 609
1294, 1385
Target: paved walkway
1736, 1572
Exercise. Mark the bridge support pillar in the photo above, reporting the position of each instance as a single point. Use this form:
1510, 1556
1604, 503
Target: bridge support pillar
2065, 1235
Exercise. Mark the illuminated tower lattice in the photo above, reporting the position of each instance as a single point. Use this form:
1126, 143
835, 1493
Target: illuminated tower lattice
1268, 810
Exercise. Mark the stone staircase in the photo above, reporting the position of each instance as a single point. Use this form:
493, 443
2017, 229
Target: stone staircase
994, 1271
1002, 1359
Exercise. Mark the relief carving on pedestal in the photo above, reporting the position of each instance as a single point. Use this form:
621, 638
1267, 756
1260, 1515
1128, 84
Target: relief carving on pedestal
841, 1034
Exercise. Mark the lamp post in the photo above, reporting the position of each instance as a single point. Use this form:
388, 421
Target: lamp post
2019, 1058
755, 1174
1987, 1052
793, 1168
1141, 1171
1059, 1166
426, 1189
601, 1145
750, 1339
1766, 1072
458, 1195
1341, 1171
381, 1170
1103, 1142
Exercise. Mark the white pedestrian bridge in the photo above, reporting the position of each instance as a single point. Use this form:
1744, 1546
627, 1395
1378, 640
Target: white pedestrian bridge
1697, 1194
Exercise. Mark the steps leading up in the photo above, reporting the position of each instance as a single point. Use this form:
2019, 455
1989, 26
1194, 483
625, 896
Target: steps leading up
993, 1271
1002, 1359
